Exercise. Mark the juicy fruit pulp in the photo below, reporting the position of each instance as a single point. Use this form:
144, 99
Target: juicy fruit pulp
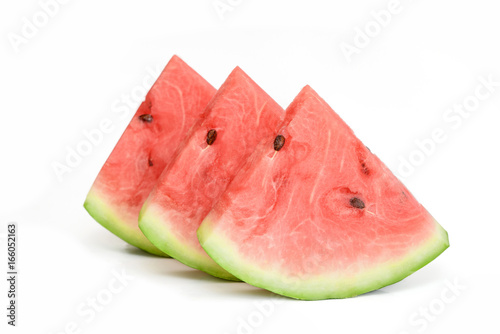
174, 103
322, 217
237, 118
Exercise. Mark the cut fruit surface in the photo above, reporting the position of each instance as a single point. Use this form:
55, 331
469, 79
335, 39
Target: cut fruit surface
237, 118
175, 102
315, 215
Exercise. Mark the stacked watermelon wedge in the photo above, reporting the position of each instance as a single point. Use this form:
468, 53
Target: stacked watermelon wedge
172, 106
229, 183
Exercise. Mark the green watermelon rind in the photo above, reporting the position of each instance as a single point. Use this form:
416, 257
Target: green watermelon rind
104, 214
225, 253
157, 230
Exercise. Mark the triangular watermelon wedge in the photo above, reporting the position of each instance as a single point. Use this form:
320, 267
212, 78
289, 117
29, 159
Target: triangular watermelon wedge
315, 215
175, 102
236, 120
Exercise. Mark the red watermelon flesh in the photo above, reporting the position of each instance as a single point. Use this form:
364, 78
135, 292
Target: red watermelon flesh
237, 118
320, 218
175, 102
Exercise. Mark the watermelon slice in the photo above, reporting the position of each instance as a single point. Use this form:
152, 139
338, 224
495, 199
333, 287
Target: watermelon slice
315, 215
174, 103
237, 118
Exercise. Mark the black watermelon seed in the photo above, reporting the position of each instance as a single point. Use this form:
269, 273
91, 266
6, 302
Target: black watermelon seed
279, 141
150, 162
148, 118
365, 169
211, 136
357, 203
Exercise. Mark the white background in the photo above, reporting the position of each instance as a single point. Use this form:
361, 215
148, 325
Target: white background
65, 79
